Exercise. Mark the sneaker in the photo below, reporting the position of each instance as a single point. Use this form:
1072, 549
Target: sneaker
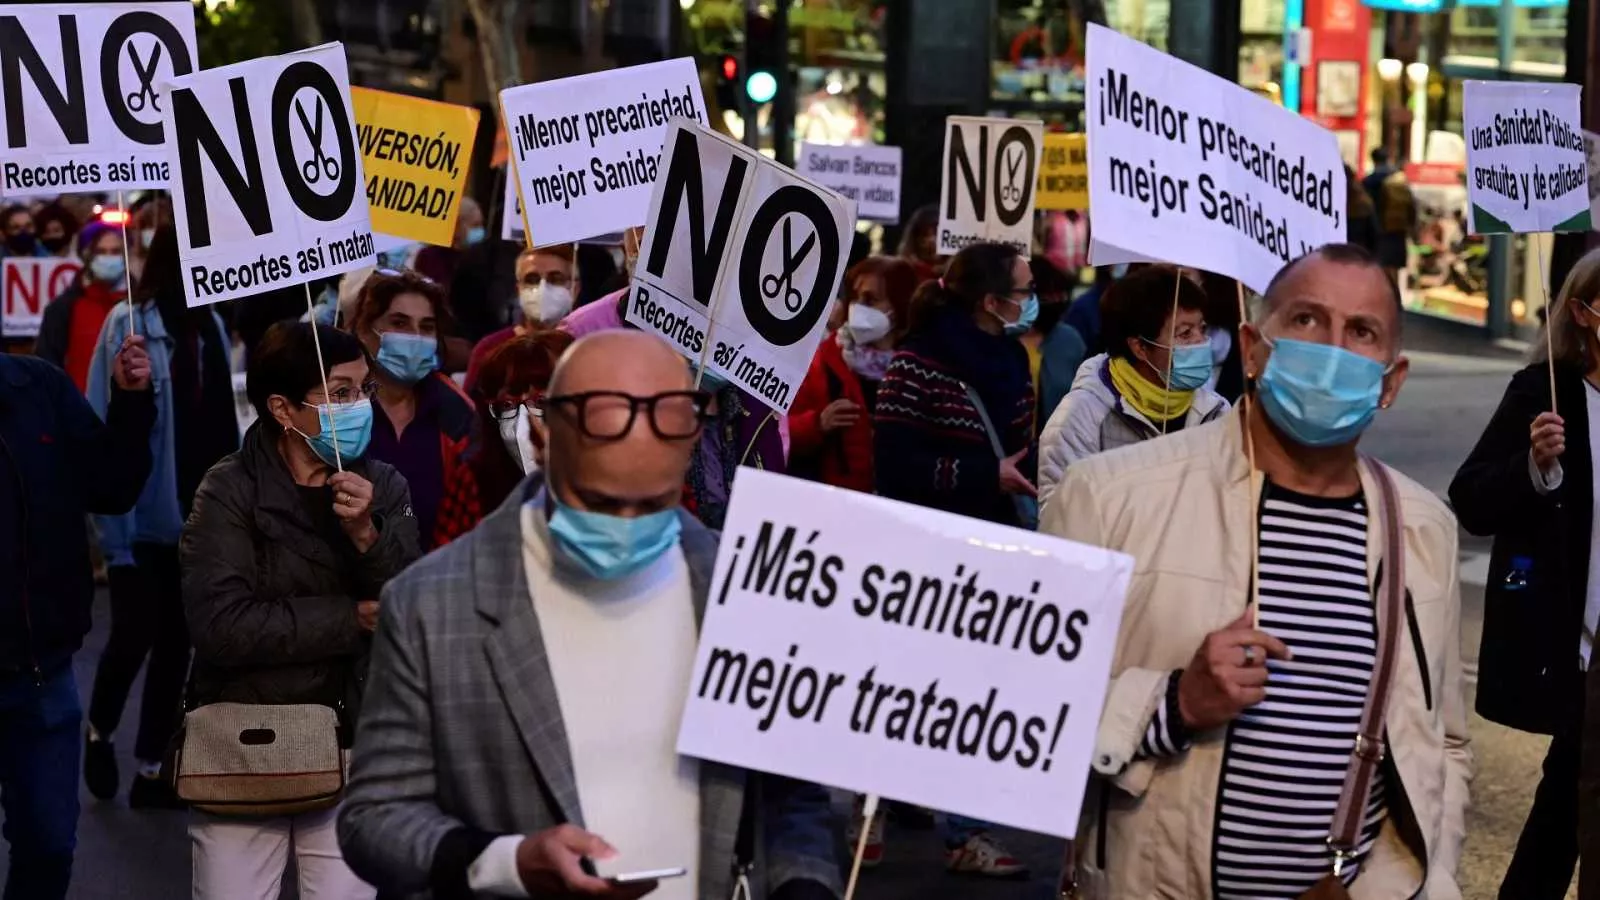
983, 855
872, 854
153, 793
100, 768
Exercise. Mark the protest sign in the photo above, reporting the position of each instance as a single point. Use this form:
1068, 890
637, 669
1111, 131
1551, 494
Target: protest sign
511, 210
77, 93
889, 649
28, 285
991, 170
741, 262
585, 150
1191, 169
269, 187
1526, 165
1064, 172
866, 173
415, 154
1591, 149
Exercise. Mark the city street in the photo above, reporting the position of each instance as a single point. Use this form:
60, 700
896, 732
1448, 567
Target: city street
1453, 388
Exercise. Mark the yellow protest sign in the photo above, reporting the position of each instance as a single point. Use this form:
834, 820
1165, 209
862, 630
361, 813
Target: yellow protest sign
1064, 173
416, 153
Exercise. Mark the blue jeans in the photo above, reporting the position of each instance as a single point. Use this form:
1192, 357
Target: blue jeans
40, 746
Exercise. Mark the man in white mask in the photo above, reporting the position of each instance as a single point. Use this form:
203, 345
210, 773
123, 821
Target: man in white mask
547, 282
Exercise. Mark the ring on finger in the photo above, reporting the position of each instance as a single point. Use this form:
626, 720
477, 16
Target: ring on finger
1249, 655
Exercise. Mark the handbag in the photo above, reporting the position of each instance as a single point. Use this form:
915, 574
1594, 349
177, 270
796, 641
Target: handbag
1027, 508
1344, 836
246, 759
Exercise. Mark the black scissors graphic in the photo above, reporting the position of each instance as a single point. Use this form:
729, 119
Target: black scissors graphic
774, 285
146, 95
1013, 168
319, 164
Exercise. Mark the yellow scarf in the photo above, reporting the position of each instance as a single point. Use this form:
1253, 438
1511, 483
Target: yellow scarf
1154, 403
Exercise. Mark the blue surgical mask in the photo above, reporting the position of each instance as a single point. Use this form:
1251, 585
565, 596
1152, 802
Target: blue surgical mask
1319, 395
408, 357
1030, 313
108, 268
1191, 365
475, 235
609, 547
347, 424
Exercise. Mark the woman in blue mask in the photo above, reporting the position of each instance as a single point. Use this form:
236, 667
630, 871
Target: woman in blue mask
1150, 382
70, 329
953, 430
421, 421
291, 541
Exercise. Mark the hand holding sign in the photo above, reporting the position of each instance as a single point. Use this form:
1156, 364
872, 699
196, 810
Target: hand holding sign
1548, 435
131, 368
352, 503
1227, 675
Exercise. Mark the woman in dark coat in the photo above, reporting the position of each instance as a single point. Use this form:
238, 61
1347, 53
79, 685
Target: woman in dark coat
283, 559
1532, 489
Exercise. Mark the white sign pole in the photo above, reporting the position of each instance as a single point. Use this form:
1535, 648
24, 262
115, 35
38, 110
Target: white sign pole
869, 808
327, 399
127, 267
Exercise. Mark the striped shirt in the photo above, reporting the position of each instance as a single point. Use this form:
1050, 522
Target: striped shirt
1285, 760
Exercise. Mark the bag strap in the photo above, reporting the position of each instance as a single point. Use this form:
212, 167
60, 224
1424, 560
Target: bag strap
1345, 834
988, 426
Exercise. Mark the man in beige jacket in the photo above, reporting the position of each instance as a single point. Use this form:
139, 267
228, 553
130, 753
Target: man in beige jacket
1228, 729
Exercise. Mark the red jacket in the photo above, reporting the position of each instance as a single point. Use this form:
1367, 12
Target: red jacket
844, 457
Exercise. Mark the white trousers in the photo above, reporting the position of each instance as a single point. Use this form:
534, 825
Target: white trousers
244, 859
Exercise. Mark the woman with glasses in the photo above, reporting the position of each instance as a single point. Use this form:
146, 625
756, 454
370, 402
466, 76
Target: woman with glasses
195, 426
290, 542
421, 422
511, 433
953, 430
1150, 382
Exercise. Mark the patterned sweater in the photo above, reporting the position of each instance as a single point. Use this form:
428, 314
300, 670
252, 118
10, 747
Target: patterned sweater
931, 447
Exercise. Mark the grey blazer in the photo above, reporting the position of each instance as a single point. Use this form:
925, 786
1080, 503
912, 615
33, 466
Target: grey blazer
461, 732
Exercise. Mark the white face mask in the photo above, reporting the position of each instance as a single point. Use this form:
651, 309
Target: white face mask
544, 303
866, 323
514, 433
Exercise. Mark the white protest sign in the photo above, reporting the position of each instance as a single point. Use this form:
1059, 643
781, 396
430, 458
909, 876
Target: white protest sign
991, 174
78, 96
1191, 169
889, 649
27, 285
585, 150
868, 174
1591, 149
511, 209
1526, 165
741, 262
270, 190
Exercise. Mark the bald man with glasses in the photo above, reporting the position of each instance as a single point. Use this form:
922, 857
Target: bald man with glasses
492, 762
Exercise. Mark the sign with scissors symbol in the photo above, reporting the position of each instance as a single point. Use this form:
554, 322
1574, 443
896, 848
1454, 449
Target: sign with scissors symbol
146, 72
774, 286
319, 164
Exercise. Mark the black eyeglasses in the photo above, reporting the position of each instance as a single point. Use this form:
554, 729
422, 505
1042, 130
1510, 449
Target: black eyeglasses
609, 415
1029, 288
349, 394
505, 410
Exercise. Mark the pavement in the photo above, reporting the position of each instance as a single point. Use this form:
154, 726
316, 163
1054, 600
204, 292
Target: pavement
1454, 384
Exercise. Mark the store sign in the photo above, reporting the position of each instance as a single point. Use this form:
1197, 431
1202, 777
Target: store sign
1189, 168
1527, 170
991, 168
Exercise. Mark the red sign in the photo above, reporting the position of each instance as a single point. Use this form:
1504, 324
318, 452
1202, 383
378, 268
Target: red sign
1340, 15
27, 285
1435, 173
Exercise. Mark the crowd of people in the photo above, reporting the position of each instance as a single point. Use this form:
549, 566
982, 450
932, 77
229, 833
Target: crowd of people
478, 525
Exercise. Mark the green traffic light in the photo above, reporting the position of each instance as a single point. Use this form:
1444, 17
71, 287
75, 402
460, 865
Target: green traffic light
761, 86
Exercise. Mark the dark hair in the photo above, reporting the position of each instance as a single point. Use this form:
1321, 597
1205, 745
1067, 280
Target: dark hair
973, 274
1139, 305
515, 367
926, 218
13, 209
1050, 281
1380, 156
899, 284
55, 212
162, 275
379, 291
285, 363
1343, 254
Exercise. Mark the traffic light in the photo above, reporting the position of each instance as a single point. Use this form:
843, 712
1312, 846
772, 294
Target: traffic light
763, 57
729, 84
